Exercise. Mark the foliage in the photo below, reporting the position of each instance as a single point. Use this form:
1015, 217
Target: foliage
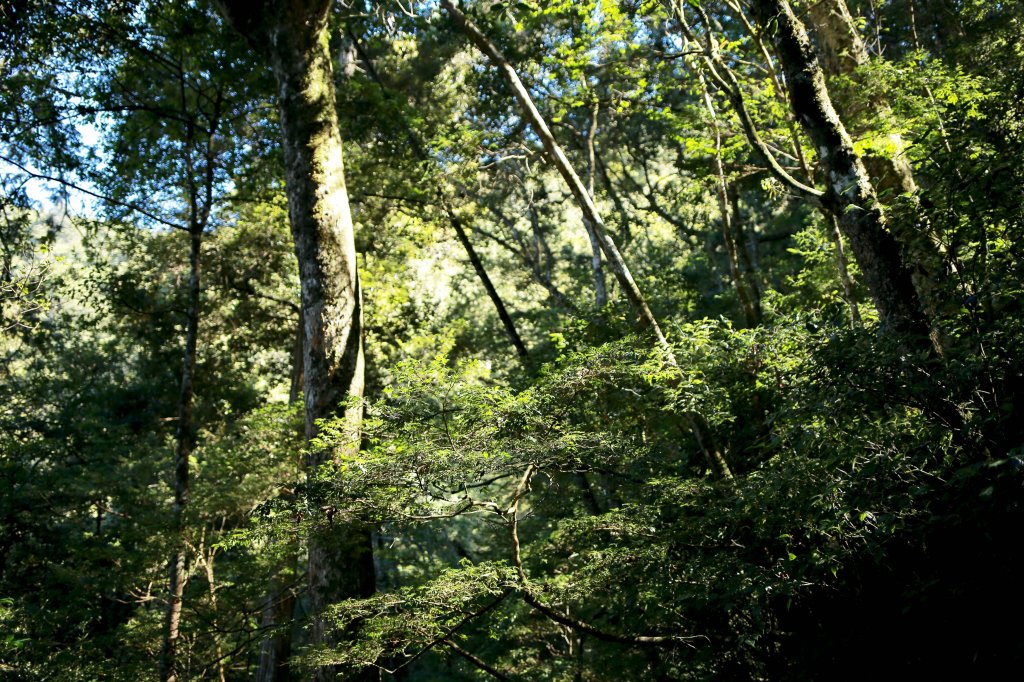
558, 517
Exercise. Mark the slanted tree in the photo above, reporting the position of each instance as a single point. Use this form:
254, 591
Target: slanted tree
443, 201
849, 193
557, 157
845, 55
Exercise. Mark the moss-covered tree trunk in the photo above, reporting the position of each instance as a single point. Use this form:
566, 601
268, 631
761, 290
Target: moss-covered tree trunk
845, 54
293, 37
849, 194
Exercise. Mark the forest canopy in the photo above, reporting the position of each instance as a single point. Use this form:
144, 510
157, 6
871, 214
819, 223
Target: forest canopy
597, 340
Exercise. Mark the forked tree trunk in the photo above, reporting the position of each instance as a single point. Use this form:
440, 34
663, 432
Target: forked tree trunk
293, 36
844, 54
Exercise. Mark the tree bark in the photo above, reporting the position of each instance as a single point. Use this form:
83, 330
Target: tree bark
844, 53
293, 36
600, 288
849, 194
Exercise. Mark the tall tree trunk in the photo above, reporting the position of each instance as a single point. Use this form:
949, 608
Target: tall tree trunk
340, 557
276, 647
294, 36
169, 662
832, 226
200, 203
844, 53
600, 289
849, 194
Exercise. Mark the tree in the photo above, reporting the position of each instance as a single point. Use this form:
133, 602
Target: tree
558, 159
849, 194
845, 56
565, 520
293, 38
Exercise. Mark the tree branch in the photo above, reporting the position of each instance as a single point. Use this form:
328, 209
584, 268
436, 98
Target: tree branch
97, 195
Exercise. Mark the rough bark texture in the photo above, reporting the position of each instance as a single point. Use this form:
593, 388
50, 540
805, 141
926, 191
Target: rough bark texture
340, 558
844, 53
169, 664
293, 35
849, 194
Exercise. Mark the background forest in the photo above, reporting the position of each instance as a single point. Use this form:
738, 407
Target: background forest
634, 340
